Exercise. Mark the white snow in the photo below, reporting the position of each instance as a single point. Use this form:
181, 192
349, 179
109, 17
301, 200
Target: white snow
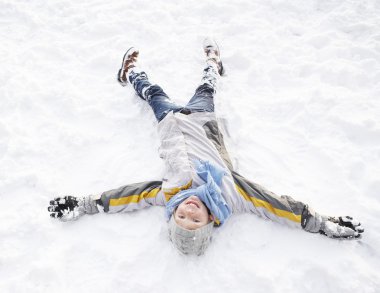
301, 98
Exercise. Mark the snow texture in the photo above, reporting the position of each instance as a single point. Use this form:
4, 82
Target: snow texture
301, 101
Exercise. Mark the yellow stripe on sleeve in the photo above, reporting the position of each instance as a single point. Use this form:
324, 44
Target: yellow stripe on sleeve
263, 204
134, 198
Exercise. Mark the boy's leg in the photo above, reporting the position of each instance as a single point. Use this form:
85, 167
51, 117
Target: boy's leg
203, 99
153, 94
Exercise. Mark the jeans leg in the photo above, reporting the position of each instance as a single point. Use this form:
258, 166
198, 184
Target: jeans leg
153, 94
203, 99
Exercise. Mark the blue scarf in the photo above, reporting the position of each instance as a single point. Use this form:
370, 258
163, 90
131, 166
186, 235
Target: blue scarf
209, 192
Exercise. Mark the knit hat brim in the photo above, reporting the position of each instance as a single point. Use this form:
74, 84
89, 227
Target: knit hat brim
190, 241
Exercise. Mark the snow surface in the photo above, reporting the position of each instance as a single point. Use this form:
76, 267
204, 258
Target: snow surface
301, 98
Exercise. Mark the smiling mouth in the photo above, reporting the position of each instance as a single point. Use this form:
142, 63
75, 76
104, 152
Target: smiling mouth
193, 203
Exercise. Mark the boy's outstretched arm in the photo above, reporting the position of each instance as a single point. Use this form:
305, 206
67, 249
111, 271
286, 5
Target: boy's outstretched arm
124, 199
285, 209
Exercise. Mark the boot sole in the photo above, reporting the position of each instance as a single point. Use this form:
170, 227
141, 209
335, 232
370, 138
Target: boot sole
131, 53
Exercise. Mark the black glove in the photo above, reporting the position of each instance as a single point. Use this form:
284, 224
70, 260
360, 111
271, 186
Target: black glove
341, 228
70, 208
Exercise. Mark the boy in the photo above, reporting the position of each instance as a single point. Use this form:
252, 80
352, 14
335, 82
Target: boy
200, 188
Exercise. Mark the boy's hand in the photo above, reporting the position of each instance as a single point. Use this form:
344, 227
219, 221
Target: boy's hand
342, 228
70, 208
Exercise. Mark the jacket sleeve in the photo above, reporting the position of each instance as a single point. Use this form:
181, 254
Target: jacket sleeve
132, 197
282, 209
260, 201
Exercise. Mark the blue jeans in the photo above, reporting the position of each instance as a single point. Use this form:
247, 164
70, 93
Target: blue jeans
202, 101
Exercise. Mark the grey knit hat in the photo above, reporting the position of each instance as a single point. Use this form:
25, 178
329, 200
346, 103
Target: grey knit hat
190, 241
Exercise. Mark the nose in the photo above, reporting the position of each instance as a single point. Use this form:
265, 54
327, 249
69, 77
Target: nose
190, 210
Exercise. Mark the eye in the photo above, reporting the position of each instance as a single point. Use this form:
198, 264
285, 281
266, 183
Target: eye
181, 217
196, 221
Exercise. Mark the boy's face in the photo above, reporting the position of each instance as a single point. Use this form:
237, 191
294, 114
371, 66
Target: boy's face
192, 214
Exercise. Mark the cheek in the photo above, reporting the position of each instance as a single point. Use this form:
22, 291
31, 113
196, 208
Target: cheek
205, 215
179, 209
205, 210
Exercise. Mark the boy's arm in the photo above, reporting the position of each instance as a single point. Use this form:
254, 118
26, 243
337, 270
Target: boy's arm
285, 209
124, 199
132, 197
